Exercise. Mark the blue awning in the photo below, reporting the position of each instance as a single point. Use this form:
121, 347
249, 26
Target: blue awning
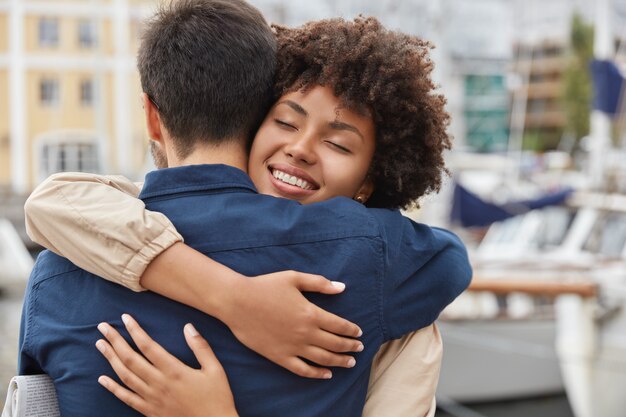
469, 210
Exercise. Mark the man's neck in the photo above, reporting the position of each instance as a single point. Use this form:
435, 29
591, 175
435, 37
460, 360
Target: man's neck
231, 153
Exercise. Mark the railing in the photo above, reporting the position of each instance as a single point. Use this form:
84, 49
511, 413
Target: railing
533, 286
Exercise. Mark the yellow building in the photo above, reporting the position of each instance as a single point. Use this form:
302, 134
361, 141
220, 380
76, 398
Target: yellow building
69, 89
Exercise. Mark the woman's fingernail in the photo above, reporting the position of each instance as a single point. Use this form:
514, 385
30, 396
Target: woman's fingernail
327, 375
103, 381
101, 346
351, 362
104, 328
360, 348
360, 333
126, 319
338, 285
190, 330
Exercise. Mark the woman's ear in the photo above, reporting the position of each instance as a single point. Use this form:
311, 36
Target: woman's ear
366, 190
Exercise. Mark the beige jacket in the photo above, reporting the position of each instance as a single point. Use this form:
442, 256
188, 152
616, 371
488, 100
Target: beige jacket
98, 223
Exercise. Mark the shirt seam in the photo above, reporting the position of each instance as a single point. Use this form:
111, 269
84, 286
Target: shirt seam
381, 290
203, 187
27, 346
56, 274
33, 325
310, 240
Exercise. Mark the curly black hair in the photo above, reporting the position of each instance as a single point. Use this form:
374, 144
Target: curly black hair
382, 73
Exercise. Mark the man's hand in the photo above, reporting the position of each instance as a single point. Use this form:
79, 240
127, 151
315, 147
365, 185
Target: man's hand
270, 315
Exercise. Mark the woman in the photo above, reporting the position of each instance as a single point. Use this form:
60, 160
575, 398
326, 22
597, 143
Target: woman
356, 112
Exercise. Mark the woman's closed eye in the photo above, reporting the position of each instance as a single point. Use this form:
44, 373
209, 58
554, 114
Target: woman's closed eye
337, 146
285, 124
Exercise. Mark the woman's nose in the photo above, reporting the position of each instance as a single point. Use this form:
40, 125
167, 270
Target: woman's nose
302, 149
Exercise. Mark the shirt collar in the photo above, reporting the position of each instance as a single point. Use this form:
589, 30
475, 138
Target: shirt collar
190, 178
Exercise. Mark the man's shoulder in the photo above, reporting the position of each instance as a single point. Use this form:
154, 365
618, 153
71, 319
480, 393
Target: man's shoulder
49, 265
344, 217
395, 226
344, 210
279, 219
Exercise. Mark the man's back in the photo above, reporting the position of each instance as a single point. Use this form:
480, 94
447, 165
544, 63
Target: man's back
394, 272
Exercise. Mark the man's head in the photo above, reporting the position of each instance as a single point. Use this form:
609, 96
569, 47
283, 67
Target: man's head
207, 69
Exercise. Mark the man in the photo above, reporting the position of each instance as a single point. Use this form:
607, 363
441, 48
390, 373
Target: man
64, 303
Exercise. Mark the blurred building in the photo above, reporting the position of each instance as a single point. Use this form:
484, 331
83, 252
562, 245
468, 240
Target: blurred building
69, 96
541, 67
69, 88
542, 54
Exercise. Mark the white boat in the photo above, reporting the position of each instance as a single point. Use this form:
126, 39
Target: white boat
498, 359
501, 347
591, 338
15, 261
519, 346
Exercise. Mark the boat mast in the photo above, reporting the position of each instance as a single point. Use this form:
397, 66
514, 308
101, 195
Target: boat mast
523, 68
600, 123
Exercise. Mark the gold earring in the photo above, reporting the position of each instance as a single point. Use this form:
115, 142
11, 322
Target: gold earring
360, 199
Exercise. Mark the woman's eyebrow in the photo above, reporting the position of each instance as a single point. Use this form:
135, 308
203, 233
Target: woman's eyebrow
295, 106
345, 126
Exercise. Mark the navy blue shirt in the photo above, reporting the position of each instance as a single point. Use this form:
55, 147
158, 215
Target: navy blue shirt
399, 276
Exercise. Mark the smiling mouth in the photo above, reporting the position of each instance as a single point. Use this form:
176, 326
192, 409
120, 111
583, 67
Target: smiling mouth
292, 180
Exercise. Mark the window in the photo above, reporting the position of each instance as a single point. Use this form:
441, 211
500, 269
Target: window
87, 93
48, 32
49, 92
87, 34
68, 156
608, 236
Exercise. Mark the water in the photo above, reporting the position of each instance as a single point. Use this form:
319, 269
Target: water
551, 406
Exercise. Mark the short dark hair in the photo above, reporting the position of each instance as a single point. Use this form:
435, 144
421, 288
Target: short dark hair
382, 73
208, 65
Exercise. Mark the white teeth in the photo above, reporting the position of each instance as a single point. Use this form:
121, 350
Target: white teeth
291, 179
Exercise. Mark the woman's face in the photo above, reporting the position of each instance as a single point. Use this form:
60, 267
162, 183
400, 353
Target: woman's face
310, 148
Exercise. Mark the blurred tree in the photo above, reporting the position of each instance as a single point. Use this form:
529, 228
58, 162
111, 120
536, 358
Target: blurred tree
577, 79
533, 140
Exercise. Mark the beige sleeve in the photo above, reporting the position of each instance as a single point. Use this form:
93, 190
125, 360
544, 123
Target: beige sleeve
404, 376
98, 223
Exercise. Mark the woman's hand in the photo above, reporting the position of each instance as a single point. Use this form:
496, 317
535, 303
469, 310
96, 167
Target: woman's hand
270, 315
160, 385
267, 313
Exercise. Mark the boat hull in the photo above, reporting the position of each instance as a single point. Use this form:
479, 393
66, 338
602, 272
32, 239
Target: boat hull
498, 359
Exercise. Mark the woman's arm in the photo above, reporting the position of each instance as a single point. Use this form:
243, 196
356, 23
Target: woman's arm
404, 376
98, 223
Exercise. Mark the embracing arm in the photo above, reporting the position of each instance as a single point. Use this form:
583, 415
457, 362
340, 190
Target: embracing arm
404, 376
427, 268
98, 223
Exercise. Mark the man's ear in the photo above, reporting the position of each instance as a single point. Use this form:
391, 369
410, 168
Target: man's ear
366, 190
153, 119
